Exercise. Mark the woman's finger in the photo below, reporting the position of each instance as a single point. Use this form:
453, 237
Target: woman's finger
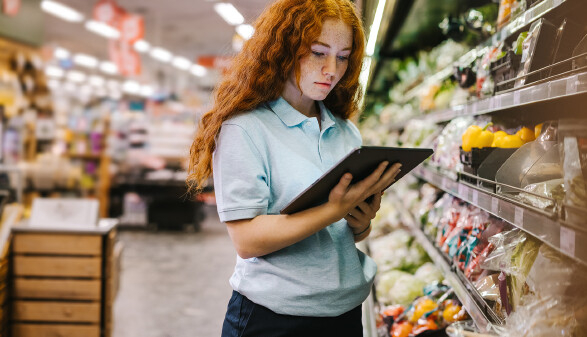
373, 178
367, 210
388, 178
341, 188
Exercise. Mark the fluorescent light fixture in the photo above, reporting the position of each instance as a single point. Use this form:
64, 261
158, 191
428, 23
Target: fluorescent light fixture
245, 31
61, 53
108, 67
53, 71
142, 46
96, 81
85, 60
76, 76
229, 13
131, 87
198, 70
102, 29
146, 91
181, 63
161, 54
370, 49
61, 11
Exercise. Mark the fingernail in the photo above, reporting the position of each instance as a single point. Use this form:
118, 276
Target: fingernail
385, 163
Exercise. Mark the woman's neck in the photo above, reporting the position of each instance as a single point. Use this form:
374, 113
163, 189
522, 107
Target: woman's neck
301, 103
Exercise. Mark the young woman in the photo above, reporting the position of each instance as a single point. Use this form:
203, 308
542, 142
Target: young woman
279, 121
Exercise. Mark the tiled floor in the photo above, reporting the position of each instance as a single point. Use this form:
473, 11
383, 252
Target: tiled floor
174, 284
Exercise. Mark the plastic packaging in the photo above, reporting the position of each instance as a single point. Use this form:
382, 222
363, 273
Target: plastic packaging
573, 135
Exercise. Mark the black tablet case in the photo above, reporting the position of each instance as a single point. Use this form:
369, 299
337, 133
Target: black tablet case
360, 163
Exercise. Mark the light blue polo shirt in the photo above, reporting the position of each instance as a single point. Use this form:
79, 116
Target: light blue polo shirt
263, 159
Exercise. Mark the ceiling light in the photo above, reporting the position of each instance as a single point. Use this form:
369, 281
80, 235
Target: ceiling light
374, 31
62, 11
229, 13
142, 46
61, 53
131, 87
52, 71
198, 70
85, 60
76, 76
146, 91
161, 54
108, 67
102, 29
96, 81
245, 31
181, 63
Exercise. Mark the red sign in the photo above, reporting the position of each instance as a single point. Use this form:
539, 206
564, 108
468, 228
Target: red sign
11, 7
132, 28
107, 11
127, 60
218, 62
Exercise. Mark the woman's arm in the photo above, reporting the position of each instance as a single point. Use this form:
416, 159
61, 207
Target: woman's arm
266, 234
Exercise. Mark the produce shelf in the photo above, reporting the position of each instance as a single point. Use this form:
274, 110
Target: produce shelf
551, 91
546, 226
479, 310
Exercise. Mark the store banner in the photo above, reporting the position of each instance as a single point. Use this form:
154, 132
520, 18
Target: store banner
107, 11
216, 62
132, 28
11, 7
125, 57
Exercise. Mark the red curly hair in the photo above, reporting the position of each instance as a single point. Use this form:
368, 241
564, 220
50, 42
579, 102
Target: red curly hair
283, 35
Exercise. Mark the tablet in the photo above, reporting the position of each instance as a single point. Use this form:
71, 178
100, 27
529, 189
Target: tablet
360, 162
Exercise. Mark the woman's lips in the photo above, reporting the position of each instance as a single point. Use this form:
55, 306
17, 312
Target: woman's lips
323, 85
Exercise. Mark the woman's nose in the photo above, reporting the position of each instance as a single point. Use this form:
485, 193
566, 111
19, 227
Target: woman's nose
329, 68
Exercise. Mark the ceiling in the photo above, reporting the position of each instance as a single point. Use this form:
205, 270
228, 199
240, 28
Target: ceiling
185, 27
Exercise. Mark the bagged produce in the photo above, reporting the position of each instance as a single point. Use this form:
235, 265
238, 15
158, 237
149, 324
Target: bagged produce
573, 135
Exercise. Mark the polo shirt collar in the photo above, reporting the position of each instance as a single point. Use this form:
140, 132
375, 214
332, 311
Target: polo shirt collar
292, 117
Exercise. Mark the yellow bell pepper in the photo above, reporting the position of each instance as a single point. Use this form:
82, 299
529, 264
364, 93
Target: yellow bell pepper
474, 136
497, 136
509, 142
526, 135
537, 130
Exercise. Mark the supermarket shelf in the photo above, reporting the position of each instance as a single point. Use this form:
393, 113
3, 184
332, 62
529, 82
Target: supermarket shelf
480, 312
543, 225
544, 92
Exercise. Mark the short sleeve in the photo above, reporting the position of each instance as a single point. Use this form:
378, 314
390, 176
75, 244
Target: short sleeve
240, 175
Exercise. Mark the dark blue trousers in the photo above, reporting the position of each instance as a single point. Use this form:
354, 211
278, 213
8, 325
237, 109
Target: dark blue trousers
247, 319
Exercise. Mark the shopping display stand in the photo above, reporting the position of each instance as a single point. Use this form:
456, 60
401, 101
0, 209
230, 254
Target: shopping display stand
65, 276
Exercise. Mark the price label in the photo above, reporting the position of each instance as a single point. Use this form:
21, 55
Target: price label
462, 191
516, 97
528, 16
567, 241
497, 102
445, 183
475, 197
495, 206
519, 217
572, 85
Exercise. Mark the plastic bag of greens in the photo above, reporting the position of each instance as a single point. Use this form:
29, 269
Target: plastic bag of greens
557, 302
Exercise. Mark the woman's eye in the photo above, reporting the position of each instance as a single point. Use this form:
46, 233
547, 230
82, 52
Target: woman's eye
343, 58
317, 53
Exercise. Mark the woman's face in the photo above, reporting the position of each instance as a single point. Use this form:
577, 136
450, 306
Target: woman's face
327, 62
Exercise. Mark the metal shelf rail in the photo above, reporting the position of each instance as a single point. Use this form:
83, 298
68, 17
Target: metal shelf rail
545, 226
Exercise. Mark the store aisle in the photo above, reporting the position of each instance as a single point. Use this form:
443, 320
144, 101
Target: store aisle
174, 284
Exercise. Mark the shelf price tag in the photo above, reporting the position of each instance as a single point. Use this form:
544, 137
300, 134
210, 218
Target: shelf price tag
494, 205
519, 217
475, 197
445, 183
567, 241
516, 97
463, 191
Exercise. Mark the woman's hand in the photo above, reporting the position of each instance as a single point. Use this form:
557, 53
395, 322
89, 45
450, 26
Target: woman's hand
359, 219
345, 198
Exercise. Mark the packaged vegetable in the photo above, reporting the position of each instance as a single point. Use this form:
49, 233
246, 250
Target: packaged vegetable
421, 306
385, 283
401, 329
405, 289
573, 134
